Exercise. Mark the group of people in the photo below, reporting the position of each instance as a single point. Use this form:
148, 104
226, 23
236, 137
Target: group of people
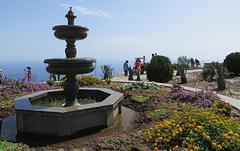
139, 66
194, 63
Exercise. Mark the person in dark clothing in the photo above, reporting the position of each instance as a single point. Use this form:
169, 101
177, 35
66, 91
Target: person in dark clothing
125, 68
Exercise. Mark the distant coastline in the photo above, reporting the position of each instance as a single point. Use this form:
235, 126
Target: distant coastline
15, 69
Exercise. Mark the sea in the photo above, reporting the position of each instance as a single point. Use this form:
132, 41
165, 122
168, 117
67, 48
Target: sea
15, 69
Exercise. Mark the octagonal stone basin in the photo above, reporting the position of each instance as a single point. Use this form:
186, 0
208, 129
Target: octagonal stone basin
66, 121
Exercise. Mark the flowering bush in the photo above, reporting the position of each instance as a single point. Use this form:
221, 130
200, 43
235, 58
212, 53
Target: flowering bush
202, 98
139, 85
10, 87
89, 81
30, 87
5, 104
195, 129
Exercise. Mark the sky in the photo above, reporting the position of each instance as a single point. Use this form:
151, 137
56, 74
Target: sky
121, 29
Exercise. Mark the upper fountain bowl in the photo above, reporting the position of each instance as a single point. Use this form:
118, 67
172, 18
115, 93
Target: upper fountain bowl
70, 32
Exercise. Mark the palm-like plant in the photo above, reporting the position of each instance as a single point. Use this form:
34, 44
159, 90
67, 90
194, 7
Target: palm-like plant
182, 66
130, 71
215, 71
107, 73
220, 72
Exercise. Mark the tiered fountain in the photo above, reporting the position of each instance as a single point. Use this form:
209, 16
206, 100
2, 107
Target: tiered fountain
71, 116
70, 66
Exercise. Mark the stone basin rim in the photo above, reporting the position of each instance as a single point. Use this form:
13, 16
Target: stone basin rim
69, 60
73, 27
23, 103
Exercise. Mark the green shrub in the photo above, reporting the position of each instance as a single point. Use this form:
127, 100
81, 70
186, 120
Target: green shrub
140, 98
159, 69
232, 62
8, 146
88, 81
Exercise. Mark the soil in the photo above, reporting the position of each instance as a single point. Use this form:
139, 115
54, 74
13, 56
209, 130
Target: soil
156, 99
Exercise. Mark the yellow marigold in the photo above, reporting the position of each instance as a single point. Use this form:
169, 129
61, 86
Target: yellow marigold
225, 134
236, 134
230, 132
208, 138
219, 147
175, 148
196, 148
214, 145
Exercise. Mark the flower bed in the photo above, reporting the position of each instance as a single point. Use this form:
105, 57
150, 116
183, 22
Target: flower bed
11, 87
207, 99
194, 129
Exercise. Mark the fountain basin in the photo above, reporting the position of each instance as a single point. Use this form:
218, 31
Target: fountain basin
66, 121
65, 32
70, 65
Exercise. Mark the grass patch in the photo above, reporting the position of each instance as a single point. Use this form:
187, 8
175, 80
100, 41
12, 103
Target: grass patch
8, 146
140, 98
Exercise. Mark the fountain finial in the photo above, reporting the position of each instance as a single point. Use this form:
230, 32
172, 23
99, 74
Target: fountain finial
70, 16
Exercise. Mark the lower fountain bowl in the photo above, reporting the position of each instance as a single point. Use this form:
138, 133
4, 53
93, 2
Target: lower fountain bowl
70, 65
35, 118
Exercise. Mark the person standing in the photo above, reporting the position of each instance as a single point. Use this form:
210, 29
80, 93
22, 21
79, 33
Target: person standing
28, 74
138, 68
125, 68
143, 65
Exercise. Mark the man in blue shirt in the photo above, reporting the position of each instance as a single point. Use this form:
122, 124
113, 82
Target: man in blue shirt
125, 68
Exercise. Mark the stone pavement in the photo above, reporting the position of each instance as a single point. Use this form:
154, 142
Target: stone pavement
234, 102
143, 77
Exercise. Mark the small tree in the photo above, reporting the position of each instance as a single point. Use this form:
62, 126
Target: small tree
182, 66
107, 73
220, 72
215, 71
209, 73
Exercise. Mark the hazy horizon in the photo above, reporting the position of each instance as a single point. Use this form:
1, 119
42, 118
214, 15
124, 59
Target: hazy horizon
122, 30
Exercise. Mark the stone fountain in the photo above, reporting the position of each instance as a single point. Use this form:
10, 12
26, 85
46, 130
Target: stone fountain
70, 66
71, 117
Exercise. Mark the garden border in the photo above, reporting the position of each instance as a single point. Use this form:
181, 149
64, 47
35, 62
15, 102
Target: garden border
233, 102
